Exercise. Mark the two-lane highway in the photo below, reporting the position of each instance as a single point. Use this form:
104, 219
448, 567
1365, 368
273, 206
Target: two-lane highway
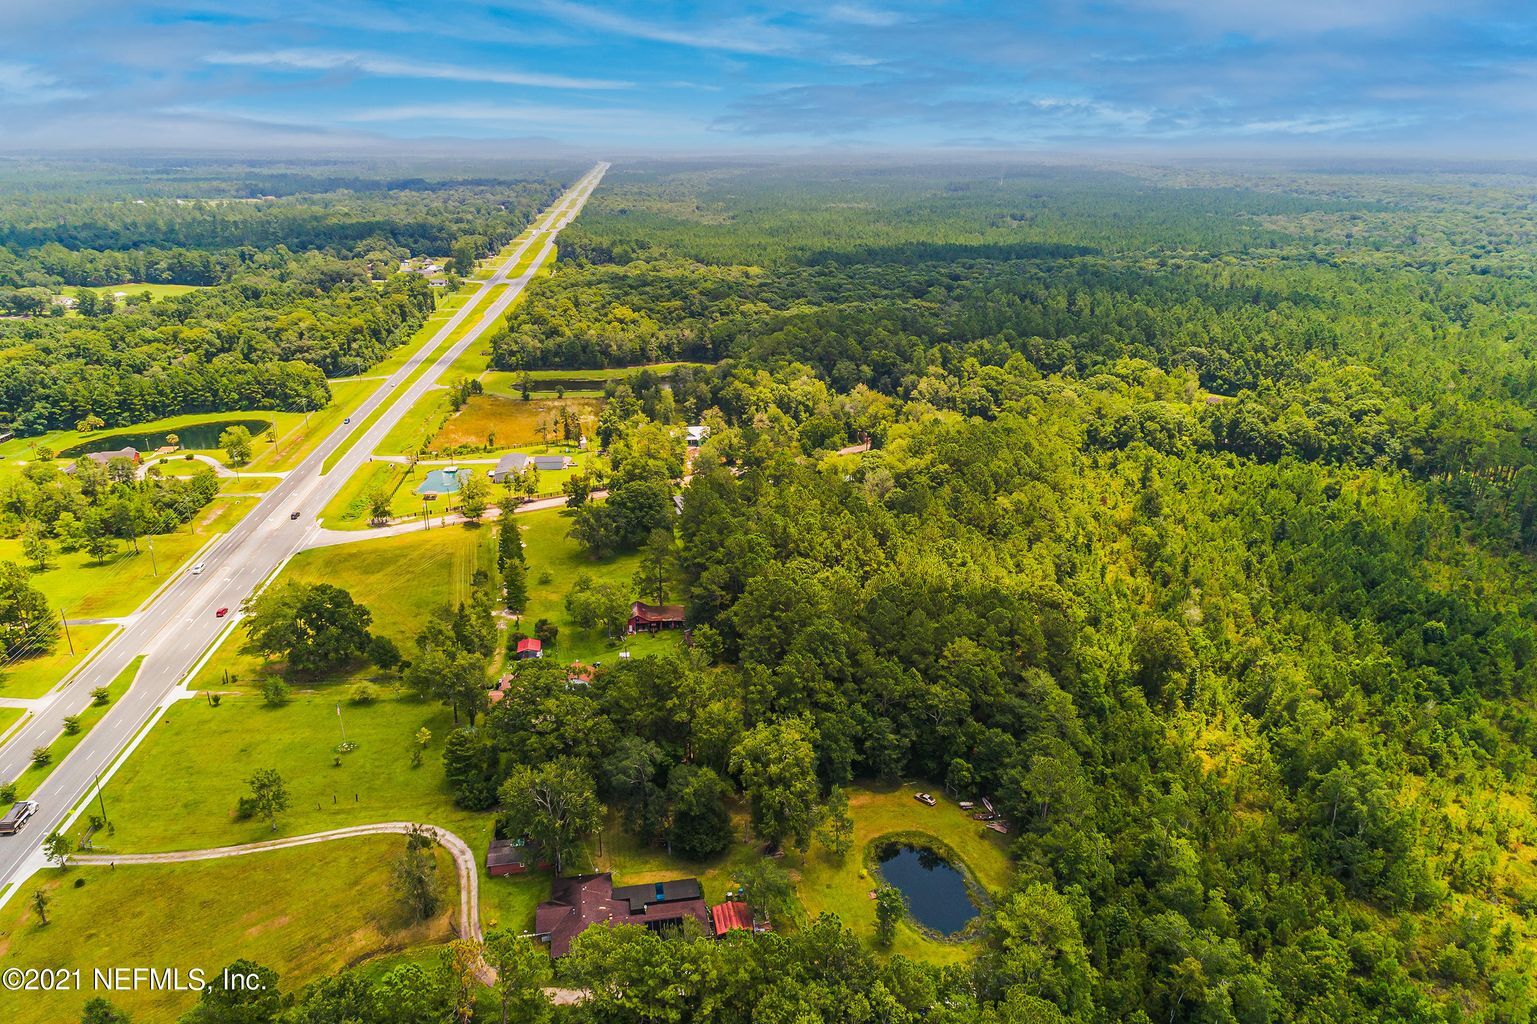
177, 625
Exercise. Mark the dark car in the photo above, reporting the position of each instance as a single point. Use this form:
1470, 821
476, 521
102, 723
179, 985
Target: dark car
221, 613
294, 514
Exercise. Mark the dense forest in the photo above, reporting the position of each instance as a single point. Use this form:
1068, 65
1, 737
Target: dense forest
1197, 533
296, 286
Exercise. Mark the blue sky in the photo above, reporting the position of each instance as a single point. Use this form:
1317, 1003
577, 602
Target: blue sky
1420, 77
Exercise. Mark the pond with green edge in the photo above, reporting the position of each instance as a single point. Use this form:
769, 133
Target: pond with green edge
194, 436
937, 895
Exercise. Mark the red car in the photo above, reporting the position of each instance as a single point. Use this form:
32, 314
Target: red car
222, 612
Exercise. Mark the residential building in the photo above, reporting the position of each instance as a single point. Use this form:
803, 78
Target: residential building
581, 901
649, 618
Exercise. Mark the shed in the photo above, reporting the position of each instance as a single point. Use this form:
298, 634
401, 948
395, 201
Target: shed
529, 647
731, 916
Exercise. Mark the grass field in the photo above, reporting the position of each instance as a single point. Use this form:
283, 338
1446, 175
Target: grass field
551, 553
8, 718
399, 579
33, 677
843, 888
305, 912
179, 788
62, 745
500, 422
134, 289
85, 590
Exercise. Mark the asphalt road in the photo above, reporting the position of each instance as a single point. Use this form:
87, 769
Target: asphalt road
178, 625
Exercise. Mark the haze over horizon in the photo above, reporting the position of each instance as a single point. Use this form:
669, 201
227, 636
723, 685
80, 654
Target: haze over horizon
1424, 78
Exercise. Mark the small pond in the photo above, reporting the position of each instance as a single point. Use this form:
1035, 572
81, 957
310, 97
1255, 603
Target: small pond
197, 436
936, 893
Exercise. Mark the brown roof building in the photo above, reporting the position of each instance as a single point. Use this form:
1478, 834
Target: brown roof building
581, 901
648, 618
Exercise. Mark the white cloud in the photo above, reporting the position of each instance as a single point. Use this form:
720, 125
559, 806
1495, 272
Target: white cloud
377, 64
737, 35
24, 83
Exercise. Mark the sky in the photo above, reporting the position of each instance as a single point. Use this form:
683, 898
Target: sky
1413, 77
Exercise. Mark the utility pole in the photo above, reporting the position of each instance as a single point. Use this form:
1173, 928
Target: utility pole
153, 568
340, 723
99, 801
67, 638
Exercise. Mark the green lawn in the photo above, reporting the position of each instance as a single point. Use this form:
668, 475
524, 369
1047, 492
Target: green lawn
33, 677
86, 590
551, 552
844, 888
62, 745
305, 912
134, 289
400, 579
8, 718
179, 788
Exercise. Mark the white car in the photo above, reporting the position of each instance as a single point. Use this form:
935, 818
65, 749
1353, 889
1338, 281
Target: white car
197, 570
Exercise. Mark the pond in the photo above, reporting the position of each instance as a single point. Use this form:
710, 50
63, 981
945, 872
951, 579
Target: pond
196, 436
936, 893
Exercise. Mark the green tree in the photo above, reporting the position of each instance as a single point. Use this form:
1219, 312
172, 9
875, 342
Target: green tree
236, 442
40, 901
776, 764
57, 848
317, 627
890, 908
656, 563
268, 795
554, 804
474, 496
701, 821
245, 992
1035, 944
378, 505
600, 606
35, 545
101, 1011
415, 876
522, 971
27, 626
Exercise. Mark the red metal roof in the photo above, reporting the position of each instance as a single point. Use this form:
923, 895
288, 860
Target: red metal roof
529, 644
731, 915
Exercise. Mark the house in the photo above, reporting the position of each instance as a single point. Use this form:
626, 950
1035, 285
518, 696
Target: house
528, 647
581, 901
552, 463
510, 465
696, 435
648, 618
513, 857
105, 458
441, 481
